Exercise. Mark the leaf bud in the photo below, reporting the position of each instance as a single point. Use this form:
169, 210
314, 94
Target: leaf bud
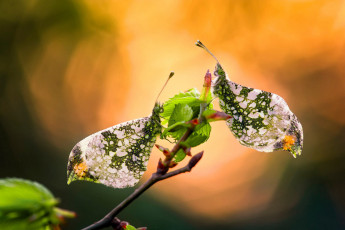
195, 159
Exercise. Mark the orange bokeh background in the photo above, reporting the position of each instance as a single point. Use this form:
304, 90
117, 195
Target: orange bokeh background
88, 65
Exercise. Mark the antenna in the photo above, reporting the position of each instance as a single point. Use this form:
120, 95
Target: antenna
170, 76
199, 44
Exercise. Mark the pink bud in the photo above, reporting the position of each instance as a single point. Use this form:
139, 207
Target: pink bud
165, 151
161, 168
208, 79
217, 116
195, 121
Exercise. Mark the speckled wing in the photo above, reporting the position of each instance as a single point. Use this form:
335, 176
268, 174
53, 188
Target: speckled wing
260, 120
117, 156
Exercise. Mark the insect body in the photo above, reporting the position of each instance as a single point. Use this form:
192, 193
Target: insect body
116, 156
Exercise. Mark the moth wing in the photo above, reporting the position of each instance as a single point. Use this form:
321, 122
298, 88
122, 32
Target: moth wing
261, 120
116, 156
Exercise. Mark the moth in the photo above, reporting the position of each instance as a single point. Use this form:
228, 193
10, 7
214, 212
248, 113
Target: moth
260, 120
117, 156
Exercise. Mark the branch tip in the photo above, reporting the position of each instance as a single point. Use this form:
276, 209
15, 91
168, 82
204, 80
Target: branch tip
161, 168
195, 159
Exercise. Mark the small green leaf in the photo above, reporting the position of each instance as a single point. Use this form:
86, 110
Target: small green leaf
179, 156
177, 127
130, 227
177, 133
181, 113
200, 135
190, 97
177, 122
176, 111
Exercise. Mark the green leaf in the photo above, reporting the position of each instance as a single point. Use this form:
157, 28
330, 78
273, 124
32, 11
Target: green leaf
176, 113
190, 97
176, 133
19, 194
177, 127
177, 122
181, 113
179, 156
28, 205
200, 135
130, 227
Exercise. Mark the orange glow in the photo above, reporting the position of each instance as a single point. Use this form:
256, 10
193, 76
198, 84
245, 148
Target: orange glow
113, 72
80, 169
288, 142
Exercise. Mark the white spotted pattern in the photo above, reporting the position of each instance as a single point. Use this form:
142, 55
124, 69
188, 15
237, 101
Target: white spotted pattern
260, 120
116, 156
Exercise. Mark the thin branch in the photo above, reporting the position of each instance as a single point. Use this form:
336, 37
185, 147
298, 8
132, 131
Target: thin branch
192, 162
160, 174
108, 219
157, 176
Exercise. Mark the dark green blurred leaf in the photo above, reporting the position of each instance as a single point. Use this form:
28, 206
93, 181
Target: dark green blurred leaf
28, 205
18, 194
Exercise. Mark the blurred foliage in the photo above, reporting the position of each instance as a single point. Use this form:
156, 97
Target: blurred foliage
29, 205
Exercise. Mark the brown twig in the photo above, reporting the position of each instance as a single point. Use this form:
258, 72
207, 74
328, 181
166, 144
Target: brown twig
161, 174
157, 176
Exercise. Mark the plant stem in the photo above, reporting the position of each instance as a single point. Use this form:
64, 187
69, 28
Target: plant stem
155, 177
106, 221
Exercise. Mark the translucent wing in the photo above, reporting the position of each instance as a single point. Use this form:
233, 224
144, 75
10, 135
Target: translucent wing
260, 120
117, 156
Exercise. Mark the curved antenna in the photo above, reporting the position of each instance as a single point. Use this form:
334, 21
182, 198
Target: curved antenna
170, 76
199, 44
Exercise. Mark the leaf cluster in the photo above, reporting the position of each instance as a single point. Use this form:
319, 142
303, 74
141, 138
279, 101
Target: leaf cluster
178, 113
